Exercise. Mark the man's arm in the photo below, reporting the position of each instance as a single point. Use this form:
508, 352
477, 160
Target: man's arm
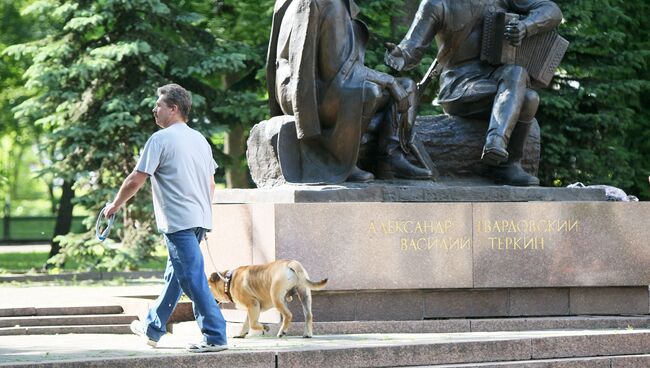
426, 24
129, 187
542, 16
390, 84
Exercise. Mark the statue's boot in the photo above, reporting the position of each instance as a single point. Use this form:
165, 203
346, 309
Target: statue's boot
360, 176
495, 151
506, 111
511, 172
394, 164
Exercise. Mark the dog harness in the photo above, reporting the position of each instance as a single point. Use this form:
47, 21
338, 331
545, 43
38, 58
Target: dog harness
228, 277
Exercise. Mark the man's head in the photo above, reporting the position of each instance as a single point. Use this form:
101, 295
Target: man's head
173, 105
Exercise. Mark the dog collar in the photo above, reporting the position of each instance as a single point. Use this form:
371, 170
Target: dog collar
227, 286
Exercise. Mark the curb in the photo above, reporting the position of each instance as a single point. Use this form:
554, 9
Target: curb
82, 276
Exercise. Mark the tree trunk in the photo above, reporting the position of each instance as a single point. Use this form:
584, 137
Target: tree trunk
50, 195
235, 147
14, 181
63, 217
6, 220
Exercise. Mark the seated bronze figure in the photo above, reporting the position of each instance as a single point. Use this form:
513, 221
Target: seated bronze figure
316, 76
474, 88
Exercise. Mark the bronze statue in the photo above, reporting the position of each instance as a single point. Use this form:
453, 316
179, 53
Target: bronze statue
470, 87
316, 73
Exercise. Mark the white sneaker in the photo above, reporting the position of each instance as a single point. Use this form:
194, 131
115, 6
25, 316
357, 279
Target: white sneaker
204, 347
138, 329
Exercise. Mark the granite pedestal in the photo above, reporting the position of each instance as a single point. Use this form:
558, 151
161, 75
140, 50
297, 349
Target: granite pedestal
394, 251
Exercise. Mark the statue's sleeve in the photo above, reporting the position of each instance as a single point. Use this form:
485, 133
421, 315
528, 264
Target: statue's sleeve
427, 22
302, 58
542, 15
279, 11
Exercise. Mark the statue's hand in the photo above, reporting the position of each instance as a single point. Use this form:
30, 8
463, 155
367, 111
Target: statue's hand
399, 95
515, 32
394, 57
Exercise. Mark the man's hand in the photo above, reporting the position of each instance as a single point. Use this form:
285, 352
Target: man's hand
129, 187
399, 95
394, 57
110, 209
515, 32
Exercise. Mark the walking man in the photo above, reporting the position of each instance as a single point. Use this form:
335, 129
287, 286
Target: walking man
178, 159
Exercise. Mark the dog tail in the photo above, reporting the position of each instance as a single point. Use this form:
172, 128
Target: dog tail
317, 285
296, 267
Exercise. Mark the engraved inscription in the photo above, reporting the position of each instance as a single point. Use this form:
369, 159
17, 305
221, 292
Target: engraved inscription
422, 235
527, 226
524, 235
428, 244
516, 243
410, 227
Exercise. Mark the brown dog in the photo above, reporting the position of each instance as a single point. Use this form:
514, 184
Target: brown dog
258, 288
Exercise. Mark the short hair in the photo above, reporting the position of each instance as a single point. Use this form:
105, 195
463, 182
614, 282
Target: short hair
177, 95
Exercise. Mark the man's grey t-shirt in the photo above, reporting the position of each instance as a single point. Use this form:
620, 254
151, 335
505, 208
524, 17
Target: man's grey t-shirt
179, 161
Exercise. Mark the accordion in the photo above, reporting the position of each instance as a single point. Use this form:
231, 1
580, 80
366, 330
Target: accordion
540, 54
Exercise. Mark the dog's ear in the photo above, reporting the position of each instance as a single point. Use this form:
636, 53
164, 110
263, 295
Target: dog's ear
217, 275
214, 276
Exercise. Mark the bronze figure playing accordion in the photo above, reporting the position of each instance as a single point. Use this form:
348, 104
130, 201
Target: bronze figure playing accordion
491, 56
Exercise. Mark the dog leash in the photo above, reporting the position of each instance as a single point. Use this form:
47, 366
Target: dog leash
207, 246
102, 235
227, 276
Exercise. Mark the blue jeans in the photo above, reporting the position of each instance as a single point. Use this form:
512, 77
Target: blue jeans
185, 273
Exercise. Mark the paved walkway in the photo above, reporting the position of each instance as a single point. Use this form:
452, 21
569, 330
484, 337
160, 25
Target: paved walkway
107, 348
41, 348
64, 296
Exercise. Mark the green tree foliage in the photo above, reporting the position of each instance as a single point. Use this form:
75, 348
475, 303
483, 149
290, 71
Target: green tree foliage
15, 139
595, 128
93, 80
245, 103
250, 24
13, 29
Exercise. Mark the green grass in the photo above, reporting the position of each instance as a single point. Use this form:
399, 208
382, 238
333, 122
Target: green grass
24, 262
36, 228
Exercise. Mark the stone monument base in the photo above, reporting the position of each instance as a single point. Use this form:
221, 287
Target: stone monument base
398, 252
409, 305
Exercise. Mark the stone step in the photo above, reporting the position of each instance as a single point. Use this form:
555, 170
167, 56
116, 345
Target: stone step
549, 349
60, 311
620, 361
56, 330
471, 325
525, 348
67, 320
560, 323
